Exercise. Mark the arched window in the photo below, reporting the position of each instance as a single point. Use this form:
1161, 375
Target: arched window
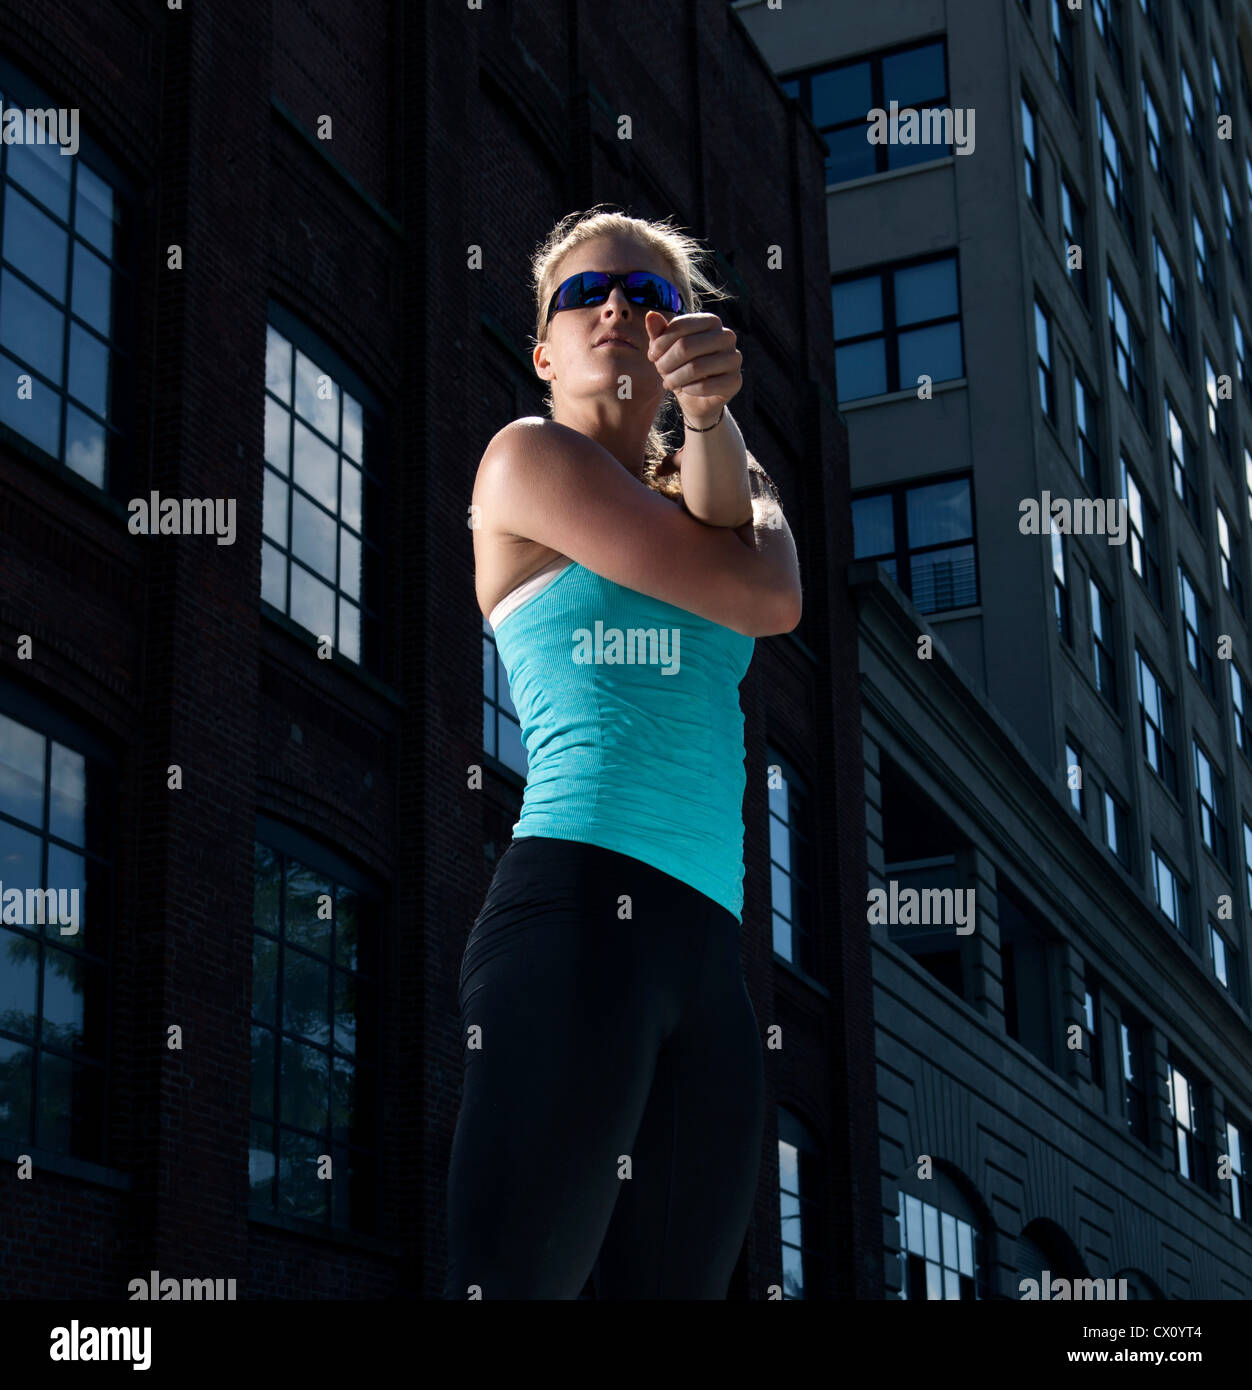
941, 1240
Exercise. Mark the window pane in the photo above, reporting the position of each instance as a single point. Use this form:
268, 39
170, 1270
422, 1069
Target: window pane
68, 802
933, 352
857, 307
315, 466
943, 579
939, 512
89, 370
35, 244
92, 294
841, 96
925, 292
872, 526
353, 427
312, 603
277, 435
277, 364
31, 328
86, 445
274, 523
914, 76
313, 536
849, 154
320, 410
19, 984
42, 169
94, 210
21, 771
861, 370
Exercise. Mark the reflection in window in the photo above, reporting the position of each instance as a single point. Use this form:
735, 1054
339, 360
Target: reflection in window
940, 1254
63, 297
315, 1036
798, 1187
320, 561
895, 325
923, 535
502, 730
55, 850
791, 868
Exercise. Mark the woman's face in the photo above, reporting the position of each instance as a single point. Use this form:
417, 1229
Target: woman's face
569, 356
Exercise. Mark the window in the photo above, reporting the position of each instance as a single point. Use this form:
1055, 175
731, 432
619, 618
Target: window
1190, 1148
940, 1253
1247, 860
1116, 168
315, 1033
1074, 227
1060, 589
502, 731
1188, 10
1233, 225
1167, 891
1192, 119
1034, 184
1210, 801
1091, 1015
1144, 545
1230, 554
1128, 356
1241, 355
1160, 144
1224, 960
839, 99
1117, 826
66, 292
1220, 104
1134, 1095
1043, 357
321, 563
1156, 717
1103, 652
1243, 729
1203, 260
923, 534
1087, 430
791, 866
1063, 52
1169, 298
1152, 13
1218, 426
1196, 630
799, 1185
1108, 20
1239, 1194
896, 325
56, 851
1183, 465
1074, 773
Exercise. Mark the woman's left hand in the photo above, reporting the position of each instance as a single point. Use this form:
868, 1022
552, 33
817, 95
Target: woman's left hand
697, 359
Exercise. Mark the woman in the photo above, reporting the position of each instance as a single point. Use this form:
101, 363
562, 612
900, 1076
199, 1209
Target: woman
613, 1094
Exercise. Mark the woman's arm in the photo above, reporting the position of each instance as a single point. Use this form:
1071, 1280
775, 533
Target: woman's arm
713, 467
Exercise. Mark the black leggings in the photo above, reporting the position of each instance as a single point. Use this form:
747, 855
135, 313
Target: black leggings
615, 1103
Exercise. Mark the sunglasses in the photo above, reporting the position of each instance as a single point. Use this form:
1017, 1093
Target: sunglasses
594, 287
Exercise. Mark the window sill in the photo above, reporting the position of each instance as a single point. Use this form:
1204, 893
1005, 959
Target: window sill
99, 1174
340, 662
877, 179
326, 1235
802, 976
866, 402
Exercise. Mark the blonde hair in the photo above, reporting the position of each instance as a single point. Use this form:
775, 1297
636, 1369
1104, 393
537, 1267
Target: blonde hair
682, 255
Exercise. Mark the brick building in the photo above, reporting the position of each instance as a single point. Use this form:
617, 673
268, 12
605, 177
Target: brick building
250, 287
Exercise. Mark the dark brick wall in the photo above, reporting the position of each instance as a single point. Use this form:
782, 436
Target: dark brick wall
451, 128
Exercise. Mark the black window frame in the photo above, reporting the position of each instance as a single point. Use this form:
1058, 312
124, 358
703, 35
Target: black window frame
125, 267
902, 554
1197, 637
1214, 823
1160, 743
1103, 645
1134, 353
1121, 177
1145, 542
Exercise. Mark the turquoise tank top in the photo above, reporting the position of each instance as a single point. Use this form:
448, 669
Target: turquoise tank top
630, 716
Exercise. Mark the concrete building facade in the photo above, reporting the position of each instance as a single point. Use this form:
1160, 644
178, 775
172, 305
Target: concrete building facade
1040, 290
